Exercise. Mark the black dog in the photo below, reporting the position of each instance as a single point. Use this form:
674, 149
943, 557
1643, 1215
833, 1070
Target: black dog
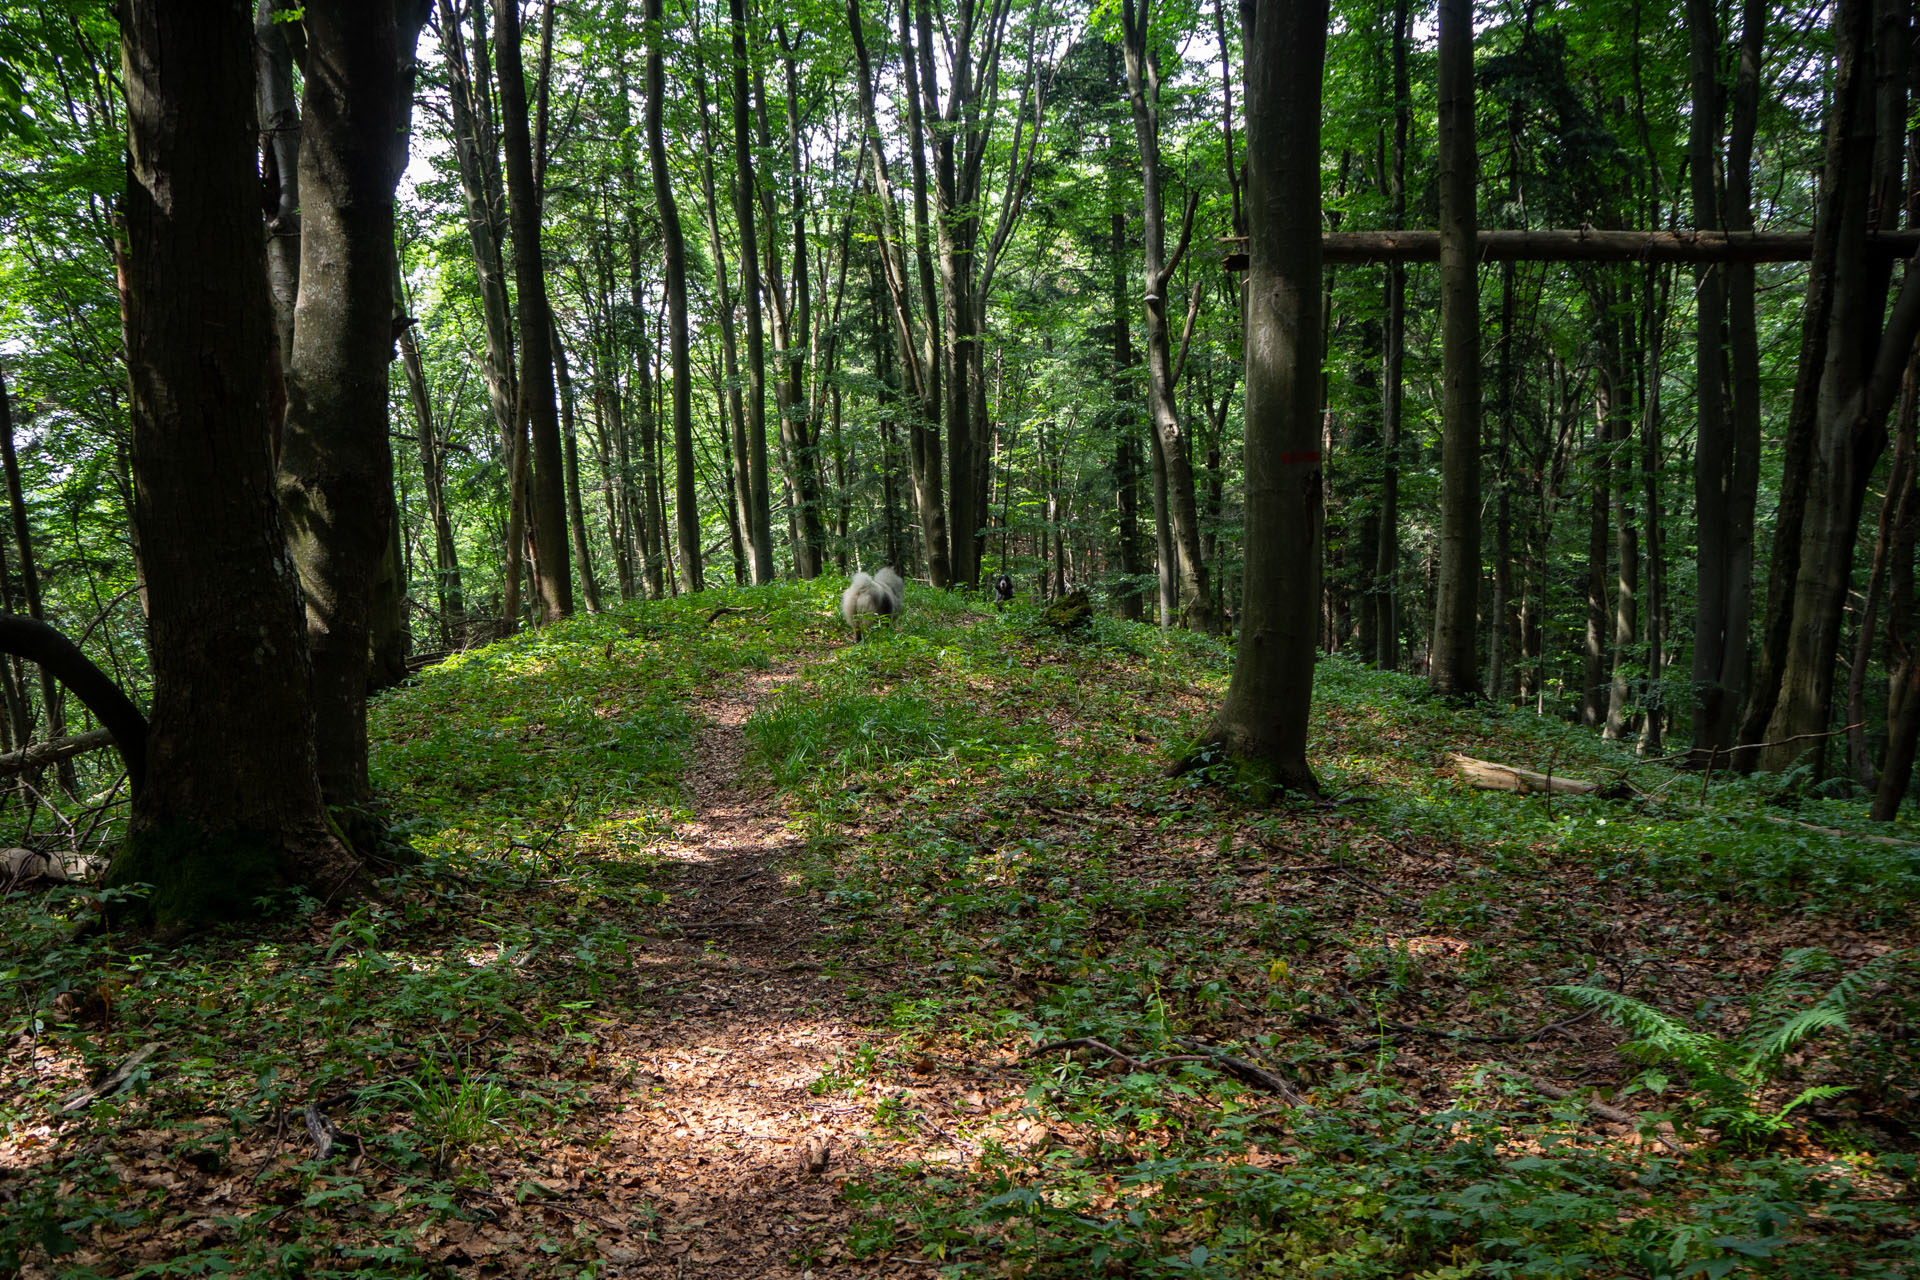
1002, 591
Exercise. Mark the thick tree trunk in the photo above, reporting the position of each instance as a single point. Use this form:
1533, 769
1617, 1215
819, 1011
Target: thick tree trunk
336, 465
537, 406
231, 808
1265, 715
1719, 651
1857, 381
1456, 602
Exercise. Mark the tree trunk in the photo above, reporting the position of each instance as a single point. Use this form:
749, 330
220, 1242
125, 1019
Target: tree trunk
1456, 602
50, 693
760, 500
449, 597
1593, 654
537, 407
686, 507
1387, 568
1265, 716
576, 511
231, 808
1903, 663
918, 358
336, 465
1857, 381
279, 116
1143, 93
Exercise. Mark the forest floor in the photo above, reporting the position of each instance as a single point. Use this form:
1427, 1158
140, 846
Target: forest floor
733, 948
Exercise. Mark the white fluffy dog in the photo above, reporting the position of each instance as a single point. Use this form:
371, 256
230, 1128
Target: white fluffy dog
883, 594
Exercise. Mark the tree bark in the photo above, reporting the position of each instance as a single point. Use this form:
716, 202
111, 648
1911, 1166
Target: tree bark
1856, 384
537, 406
50, 694
336, 464
1387, 567
760, 494
231, 807
917, 351
1265, 716
686, 509
576, 510
448, 592
1456, 604
1143, 93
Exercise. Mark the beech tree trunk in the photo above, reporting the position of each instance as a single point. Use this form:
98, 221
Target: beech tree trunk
686, 509
231, 808
1457, 590
760, 499
336, 465
537, 406
1265, 715
1857, 383
1183, 511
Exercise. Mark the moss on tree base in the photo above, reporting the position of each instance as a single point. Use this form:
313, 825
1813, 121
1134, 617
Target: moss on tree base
1241, 766
196, 878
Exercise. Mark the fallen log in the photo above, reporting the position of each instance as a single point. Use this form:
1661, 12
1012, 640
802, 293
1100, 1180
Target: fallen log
39, 755
1490, 776
1590, 244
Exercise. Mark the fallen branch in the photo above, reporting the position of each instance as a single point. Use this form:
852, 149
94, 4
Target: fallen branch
1239, 1068
1599, 1108
114, 1081
1490, 776
1247, 1073
39, 755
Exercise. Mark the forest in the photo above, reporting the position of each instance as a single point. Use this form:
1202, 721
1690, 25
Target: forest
905, 638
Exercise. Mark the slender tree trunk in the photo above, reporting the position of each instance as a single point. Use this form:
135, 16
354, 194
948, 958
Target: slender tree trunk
1456, 603
576, 512
548, 500
1593, 654
51, 694
1387, 568
1143, 93
1126, 470
686, 509
446, 554
919, 353
759, 493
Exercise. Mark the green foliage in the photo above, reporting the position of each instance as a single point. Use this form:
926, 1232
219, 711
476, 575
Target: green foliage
1733, 1074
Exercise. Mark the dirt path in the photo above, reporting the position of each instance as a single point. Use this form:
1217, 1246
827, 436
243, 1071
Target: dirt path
718, 1139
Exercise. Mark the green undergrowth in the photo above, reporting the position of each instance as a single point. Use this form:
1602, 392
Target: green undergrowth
989, 813
453, 1027
1004, 864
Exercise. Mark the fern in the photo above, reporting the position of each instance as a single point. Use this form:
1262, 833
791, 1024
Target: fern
1787, 1011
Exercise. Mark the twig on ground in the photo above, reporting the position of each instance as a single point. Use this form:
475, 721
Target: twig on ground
1593, 1104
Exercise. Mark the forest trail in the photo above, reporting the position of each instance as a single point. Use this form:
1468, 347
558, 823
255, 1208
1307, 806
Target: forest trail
719, 1134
